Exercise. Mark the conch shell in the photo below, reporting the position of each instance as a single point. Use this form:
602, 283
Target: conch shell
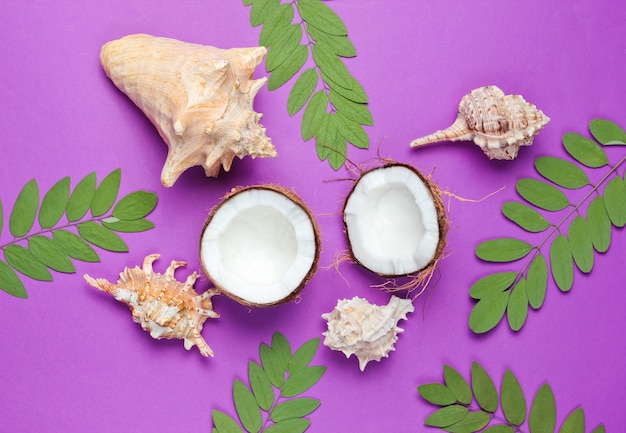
162, 305
496, 122
368, 331
199, 98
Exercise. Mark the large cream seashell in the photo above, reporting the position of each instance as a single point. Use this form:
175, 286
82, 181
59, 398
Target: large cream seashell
162, 305
199, 98
368, 331
496, 122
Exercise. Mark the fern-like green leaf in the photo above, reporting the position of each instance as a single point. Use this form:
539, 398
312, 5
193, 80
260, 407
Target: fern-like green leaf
271, 397
478, 413
35, 253
334, 103
569, 238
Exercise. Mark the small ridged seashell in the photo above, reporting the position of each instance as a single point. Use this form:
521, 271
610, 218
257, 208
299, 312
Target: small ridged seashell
199, 98
366, 330
499, 124
163, 306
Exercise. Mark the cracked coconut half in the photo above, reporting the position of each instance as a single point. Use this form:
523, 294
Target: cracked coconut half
260, 245
395, 222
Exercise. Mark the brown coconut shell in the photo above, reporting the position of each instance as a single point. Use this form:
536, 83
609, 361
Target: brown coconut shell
292, 196
442, 221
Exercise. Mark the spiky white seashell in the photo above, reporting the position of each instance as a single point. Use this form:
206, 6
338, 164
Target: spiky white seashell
499, 124
366, 330
163, 306
199, 98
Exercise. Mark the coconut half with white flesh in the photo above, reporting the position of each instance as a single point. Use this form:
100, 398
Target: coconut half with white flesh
395, 221
260, 245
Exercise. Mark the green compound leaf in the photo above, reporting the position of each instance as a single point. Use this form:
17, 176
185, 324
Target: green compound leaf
106, 193
525, 216
301, 91
459, 386
488, 312
10, 282
492, 284
542, 194
81, 197
607, 132
512, 399
473, 422
54, 203
260, 385
23, 261
247, 409
296, 425
75, 247
581, 244
585, 151
537, 281
542, 417
224, 423
446, 416
517, 308
314, 115
25, 210
615, 201
561, 172
101, 236
317, 14
483, 388
295, 408
302, 380
561, 263
599, 225
288, 68
437, 394
503, 250
574, 423
48, 252
135, 205
261, 405
304, 355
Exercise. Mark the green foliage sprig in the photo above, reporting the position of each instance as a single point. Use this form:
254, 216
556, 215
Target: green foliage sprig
570, 241
89, 209
336, 104
274, 389
466, 408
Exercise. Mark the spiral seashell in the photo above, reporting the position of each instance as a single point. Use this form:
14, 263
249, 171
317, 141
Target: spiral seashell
367, 331
199, 98
163, 306
499, 124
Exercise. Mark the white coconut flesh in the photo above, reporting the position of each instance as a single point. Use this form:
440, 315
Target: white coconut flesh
392, 221
259, 246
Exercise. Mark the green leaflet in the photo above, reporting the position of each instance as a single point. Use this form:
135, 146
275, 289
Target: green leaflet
607, 132
525, 216
585, 151
457, 384
290, 375
569, 239
334, 103
503, 250
34, 253
561, 172
468, 418
542, 195
542, 417
25, 209
517, 307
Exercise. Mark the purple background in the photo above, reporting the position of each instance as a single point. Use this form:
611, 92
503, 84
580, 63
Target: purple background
71, 358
